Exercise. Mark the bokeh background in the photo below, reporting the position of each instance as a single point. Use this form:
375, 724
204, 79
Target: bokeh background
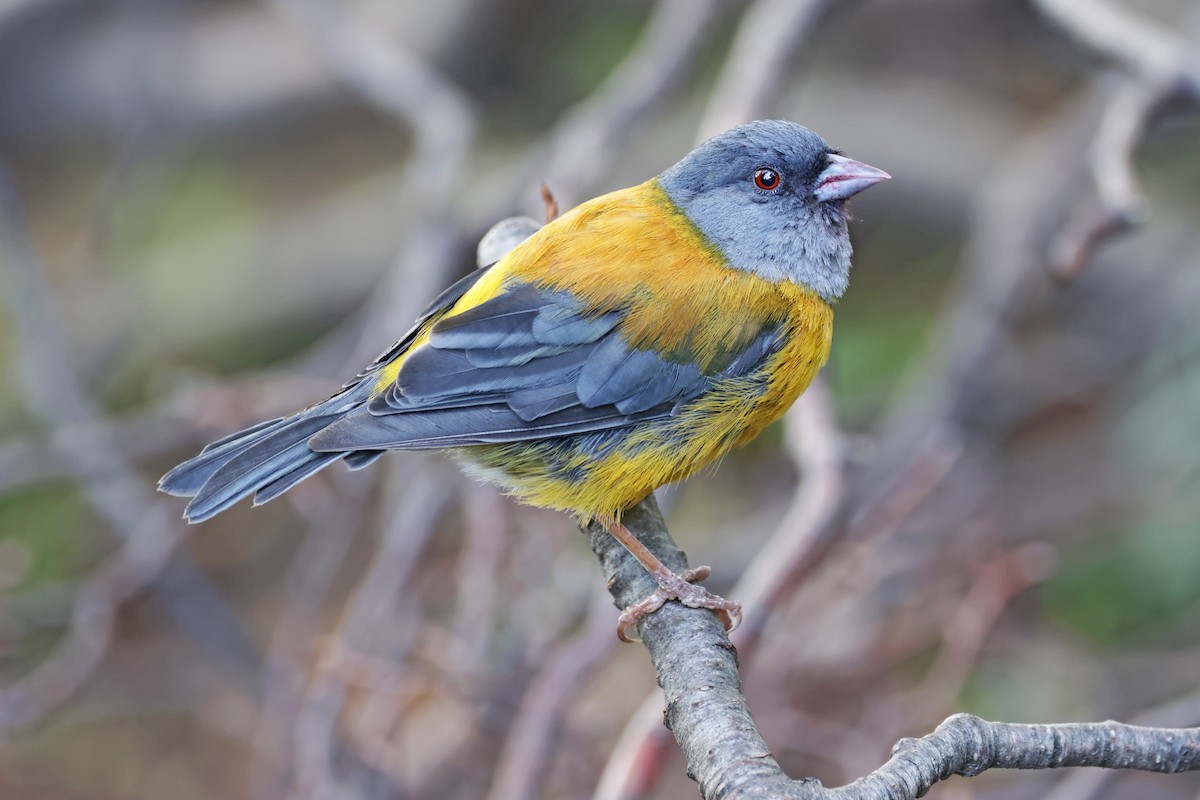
216, 211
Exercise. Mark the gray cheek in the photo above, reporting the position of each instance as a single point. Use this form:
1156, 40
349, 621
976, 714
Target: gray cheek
778, 243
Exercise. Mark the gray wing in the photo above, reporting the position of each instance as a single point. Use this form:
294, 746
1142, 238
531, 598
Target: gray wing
528, 364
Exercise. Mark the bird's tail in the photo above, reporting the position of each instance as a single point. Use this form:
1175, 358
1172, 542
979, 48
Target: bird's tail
265, 460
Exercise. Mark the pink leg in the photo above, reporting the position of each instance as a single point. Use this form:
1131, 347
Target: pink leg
671, 586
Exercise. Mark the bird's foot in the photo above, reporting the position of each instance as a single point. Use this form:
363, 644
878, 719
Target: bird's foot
681, 587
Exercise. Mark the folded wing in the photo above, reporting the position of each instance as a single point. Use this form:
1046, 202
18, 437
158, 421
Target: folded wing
529, 364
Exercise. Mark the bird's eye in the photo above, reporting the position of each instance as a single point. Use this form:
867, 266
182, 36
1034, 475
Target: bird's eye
766, 179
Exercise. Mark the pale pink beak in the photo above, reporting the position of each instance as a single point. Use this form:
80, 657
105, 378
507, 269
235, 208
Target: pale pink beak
845, 177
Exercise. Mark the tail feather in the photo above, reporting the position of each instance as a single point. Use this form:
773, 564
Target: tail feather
265, 459
270, 454
186, 479
358, 459
242, 434
286, 481
211, 501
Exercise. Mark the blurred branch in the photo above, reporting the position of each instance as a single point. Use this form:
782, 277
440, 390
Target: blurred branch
756, 69
815, 518
1157, 66
995, 584
443, 122
142, 558
1152, 54
379, 603
306, 586
581, 144
28, 461
151, 533
394, 81
529, 744
13, 10
1119, 205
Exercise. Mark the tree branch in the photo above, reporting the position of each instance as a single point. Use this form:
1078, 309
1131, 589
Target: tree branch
967, 745
697, 669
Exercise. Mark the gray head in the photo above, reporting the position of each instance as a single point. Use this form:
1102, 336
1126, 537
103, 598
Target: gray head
771, 196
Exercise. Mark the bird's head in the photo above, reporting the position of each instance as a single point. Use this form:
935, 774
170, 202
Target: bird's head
771, 196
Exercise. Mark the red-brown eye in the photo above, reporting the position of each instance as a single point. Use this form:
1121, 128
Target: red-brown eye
766, 179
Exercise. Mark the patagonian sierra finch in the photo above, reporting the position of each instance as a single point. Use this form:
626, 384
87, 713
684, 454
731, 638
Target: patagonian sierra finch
622, 346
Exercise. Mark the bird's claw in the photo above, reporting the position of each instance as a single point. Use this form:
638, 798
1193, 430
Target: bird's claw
681, 587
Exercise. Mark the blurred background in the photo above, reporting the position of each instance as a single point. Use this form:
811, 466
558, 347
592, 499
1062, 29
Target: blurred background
214, 212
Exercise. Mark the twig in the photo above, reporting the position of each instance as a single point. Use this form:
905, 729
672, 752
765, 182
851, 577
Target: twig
479, 564
967, 745
550, 203
1086, 785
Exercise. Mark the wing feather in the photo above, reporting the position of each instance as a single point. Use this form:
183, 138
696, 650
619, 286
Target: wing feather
529, 364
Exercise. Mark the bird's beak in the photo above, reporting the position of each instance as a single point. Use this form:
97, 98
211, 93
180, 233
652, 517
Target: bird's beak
845, 177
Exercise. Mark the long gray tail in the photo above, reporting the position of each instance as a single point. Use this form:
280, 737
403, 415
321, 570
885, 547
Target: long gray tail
265, 460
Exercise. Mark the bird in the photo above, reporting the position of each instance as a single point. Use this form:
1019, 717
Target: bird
622, 346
